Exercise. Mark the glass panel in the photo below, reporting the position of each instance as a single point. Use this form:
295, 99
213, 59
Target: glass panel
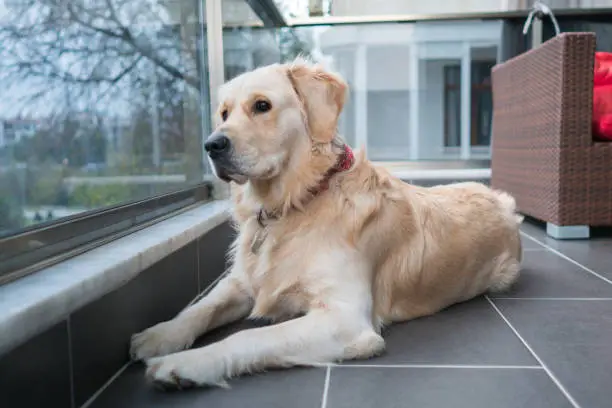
238, 13
483, 60
343, 62
248, 45
245, 48
377, 111
104, 101
439, 110
405, 90
452, 104
406, 94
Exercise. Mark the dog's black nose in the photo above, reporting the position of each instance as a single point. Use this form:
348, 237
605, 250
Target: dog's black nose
217, 144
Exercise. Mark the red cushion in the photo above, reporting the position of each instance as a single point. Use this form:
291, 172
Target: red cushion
602, 96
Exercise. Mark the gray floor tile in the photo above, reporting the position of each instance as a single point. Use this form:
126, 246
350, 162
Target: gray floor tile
545, 274
468, 333
529, 244
441, 388
537, 231
295, 388
595, 255
573, 338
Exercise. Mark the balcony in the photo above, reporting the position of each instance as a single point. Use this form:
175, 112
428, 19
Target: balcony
111, 221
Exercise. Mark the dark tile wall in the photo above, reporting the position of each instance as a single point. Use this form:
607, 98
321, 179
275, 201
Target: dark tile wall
37, 373
99, 331
212, 255
67, 364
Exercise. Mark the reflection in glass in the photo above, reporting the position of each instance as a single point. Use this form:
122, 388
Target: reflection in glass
104, 101
407, 98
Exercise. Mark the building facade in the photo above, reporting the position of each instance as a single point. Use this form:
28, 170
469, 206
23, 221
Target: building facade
418, 91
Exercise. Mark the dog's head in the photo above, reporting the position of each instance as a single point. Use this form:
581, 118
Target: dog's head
267, 116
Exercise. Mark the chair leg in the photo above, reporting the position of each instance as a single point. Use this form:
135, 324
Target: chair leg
568, 231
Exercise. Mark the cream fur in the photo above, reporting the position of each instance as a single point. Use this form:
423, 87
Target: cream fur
336, 267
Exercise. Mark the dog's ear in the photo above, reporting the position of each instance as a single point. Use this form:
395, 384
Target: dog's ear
322, 95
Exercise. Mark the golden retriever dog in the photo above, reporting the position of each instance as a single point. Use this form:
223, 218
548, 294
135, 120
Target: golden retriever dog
330, 247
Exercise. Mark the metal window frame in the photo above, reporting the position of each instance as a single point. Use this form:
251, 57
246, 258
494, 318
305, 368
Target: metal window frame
48, 243
31, 249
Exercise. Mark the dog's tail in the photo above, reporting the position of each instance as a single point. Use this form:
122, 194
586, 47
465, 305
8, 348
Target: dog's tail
508, 203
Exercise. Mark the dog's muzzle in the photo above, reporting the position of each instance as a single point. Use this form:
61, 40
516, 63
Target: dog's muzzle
217, 146
220, 152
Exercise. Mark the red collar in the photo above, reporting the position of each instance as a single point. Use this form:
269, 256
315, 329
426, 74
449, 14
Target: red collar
344, 163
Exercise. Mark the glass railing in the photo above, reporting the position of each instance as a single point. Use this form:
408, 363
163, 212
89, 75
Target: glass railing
420, 83
103, 102
418, 91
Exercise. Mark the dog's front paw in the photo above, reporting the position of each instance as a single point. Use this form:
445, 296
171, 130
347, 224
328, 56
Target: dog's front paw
160, 340
185, 370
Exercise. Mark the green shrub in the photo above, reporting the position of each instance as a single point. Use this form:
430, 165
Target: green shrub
44, 186
11, 216
95, 196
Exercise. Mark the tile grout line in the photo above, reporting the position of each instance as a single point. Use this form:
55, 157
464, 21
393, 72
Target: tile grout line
458, 366
207, 289
104, 386
567, 258
533, 353
326, 386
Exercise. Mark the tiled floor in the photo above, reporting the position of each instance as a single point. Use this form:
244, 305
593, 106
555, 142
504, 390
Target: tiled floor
546, 343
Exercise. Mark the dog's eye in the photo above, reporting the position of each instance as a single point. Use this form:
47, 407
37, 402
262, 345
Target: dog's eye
262, 106
224, 115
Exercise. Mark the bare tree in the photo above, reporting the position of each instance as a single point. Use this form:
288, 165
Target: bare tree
85, 48
126, 59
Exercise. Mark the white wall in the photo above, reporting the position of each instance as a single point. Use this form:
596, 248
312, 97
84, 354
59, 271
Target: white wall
387, 98
431, 116
343, 62
388, 104
388, 66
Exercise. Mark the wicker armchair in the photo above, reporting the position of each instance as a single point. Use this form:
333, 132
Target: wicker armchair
543, 151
